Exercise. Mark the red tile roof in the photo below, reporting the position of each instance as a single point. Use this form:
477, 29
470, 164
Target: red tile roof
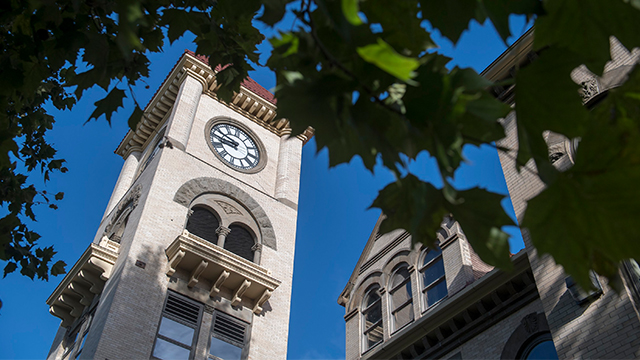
248, 83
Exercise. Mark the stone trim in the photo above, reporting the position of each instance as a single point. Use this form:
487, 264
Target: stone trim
196, 187
246, 102
531, 326
202, 260
482, 304
85, 280
383, 252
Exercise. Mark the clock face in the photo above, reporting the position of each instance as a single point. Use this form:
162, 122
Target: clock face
235, 146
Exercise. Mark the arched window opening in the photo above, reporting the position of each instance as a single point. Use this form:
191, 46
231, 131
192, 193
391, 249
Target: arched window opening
401, 298
371, 319
540, 348
434, 286
203, 223
240, 242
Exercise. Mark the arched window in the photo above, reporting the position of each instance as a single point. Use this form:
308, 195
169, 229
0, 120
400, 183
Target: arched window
240, 242
203, 223
371, 319
434, 286
400, 298
539, 348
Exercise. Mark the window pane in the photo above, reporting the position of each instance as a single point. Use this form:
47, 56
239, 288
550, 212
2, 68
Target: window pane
224, 350
374, 336
403, 316
204, 224
240, 241
373, 315
168, 351
372, 297
544, 350
399, 277
401, 295
432, 273
436, 293
430, 255
176, 331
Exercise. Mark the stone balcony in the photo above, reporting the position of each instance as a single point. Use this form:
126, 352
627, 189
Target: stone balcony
85, 280
202, 260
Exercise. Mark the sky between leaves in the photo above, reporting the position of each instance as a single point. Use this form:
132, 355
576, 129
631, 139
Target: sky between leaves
333, 220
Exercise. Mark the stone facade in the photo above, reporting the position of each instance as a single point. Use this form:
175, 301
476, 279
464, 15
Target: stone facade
170, 168
488, 313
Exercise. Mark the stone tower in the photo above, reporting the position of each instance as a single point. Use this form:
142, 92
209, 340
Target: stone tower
193, 258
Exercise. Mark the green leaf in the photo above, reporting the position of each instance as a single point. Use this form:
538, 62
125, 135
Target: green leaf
386, 58
9, 268
547, 99
584, 27
590, 207
58, 268
135, 118
350, 10
451, 17
274, 11
59, 196
482, 217
108, 105
420, 208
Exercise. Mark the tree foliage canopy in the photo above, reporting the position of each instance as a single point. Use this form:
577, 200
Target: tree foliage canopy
365, 75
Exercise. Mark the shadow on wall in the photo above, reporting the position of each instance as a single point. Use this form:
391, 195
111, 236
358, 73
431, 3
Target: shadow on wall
596, 329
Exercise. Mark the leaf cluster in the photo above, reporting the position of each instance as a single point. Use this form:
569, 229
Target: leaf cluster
365, 75
52, 51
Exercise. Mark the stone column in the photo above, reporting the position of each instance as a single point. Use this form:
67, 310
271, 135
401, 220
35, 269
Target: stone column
222, 232
184, 111
288, 173
124, 180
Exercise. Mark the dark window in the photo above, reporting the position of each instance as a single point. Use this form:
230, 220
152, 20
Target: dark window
178, 328
203, 223
540, 348
227, 337
434, 285
372, 319
401, 298
240, 242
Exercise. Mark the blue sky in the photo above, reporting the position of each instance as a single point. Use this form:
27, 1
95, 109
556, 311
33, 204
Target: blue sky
334, 221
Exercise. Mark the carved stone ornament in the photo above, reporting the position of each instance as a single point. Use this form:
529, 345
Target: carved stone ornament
125, 206
209, 309
256, 247
530, 323
228, 208
195, 187
589, 89
224, 231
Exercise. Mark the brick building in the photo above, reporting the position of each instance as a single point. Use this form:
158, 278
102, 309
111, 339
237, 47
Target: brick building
405, 302
193, 257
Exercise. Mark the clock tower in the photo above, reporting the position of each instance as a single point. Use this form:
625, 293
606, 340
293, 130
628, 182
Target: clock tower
193, 258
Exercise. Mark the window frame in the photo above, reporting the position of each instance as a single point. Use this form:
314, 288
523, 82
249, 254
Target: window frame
196, 326
363, 313
393, 308
247, 335
425, 288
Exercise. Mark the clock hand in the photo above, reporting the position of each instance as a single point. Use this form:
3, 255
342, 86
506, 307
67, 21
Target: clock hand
227, 141
235, 143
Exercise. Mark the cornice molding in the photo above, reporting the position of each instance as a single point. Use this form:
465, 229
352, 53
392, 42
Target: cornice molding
246, 102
